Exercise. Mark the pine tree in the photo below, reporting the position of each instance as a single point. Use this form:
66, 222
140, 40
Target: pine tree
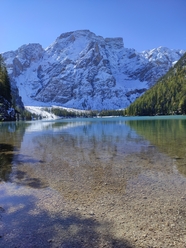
167, 96
5, 89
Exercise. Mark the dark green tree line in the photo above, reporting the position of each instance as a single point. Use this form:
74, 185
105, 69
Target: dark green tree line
167, 96
5, 89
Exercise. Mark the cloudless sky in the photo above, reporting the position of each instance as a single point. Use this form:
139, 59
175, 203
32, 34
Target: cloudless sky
143, 24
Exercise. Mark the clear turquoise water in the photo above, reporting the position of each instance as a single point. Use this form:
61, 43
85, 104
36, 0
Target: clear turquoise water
117, 177
84, 141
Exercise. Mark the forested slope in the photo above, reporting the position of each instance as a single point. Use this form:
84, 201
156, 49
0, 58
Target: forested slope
167, 96
6, 111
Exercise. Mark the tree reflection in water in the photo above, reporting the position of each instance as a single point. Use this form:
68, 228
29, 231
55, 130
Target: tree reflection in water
169, 135
6, 157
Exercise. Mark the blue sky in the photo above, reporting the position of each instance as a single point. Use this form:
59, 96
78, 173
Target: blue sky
143, 24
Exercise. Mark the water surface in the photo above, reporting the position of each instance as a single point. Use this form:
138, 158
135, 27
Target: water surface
105, 182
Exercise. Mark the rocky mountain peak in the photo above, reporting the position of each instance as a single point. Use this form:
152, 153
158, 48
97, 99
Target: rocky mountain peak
30, 53
83, 70
116, 43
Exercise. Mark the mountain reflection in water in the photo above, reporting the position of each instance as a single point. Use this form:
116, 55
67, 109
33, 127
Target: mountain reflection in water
93, 183
71, 153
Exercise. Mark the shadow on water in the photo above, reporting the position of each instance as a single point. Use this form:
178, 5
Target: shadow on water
11, 135
22, 178
20, 158
23, 225
6, 158
169, 135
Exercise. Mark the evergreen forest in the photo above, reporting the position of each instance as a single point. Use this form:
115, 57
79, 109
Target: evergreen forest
5, 90
166, 97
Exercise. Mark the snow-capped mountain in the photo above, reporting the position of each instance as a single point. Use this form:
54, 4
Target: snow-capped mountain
84, 71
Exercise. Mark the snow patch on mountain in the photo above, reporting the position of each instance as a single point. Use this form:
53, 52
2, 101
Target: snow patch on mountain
46, 111
83, 71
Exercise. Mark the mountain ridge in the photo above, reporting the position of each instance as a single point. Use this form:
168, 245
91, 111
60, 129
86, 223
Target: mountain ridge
167, 96
85, 71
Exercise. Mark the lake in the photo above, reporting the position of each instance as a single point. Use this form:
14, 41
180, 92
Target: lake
94, 182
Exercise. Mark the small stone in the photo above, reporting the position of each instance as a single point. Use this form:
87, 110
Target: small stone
184, 238
2, 209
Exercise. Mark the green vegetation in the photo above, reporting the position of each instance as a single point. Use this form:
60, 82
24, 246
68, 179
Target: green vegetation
7, 113
166, 97
24, 115
70, 114
6, 100
112, 113
64, 113
5, 90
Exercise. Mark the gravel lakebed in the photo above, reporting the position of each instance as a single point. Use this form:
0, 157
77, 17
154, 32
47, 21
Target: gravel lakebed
138, 202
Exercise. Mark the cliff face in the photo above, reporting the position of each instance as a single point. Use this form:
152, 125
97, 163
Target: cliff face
85, 71
6, 112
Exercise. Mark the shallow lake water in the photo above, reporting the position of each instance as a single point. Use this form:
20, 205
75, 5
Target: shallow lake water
100, 182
